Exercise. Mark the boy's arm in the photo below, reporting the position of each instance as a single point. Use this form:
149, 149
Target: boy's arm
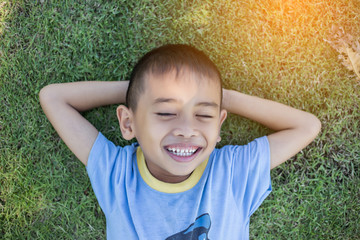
62, 104
295, 129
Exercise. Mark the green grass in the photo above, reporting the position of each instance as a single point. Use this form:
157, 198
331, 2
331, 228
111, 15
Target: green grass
271, 48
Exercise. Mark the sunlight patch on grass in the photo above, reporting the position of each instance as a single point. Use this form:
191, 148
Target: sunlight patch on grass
198, 15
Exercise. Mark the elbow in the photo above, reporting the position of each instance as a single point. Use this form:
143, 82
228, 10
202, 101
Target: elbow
317, 125
47, 95
313, 126
44, 95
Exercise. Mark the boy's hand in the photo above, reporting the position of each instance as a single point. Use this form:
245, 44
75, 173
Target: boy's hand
295, 129
62, 104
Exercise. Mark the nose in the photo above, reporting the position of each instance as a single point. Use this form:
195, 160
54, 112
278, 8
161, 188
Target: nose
185, 128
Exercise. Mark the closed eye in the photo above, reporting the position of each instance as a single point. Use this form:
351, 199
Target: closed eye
204, 116
166, 114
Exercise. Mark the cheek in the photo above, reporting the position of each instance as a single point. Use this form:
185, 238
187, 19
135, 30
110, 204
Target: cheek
154, 129
210, 130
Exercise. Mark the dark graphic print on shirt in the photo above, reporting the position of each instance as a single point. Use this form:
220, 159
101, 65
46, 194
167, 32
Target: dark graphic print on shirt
196, 231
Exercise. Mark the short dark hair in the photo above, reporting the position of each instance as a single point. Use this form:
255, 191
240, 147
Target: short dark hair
164, 59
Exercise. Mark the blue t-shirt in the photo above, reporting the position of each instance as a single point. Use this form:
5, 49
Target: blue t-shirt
215, 202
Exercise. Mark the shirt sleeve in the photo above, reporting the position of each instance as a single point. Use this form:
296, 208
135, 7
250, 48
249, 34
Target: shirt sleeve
251, 174
105, 171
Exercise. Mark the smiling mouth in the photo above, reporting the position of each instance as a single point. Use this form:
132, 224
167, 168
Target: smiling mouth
183, 153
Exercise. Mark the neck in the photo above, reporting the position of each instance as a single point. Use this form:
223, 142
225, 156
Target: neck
167, 177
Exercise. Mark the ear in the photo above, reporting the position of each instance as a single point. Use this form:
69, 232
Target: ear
223, 115
125, 117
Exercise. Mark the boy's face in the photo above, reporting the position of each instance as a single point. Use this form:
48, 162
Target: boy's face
177, 123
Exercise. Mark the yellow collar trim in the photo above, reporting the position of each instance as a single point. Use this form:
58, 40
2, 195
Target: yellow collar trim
168, 187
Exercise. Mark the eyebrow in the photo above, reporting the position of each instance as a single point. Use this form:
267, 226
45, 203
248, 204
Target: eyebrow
208, 104
164, 100
171, 100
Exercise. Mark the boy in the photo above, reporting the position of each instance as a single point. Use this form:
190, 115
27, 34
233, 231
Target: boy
174, 184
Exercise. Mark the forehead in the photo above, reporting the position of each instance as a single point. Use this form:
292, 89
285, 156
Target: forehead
183, 82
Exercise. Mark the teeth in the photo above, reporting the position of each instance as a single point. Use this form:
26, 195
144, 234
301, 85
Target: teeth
182, 152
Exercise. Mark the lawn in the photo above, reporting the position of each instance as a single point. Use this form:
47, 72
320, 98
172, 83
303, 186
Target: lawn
276, 49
